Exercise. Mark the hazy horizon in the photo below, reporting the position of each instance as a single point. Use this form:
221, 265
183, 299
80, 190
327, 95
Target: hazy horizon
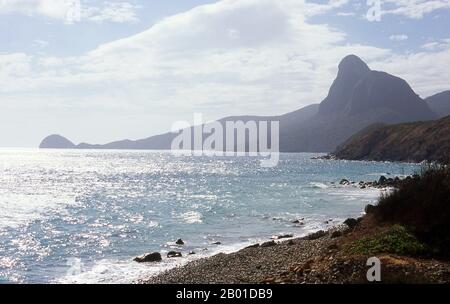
129, 69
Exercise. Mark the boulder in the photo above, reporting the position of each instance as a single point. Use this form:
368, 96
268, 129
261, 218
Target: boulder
383, 180
268, 244
298, 222
285, 236
174, 254
344, 182
150, 257
217, 243
351, 223
370, 209
316, 235
179, 242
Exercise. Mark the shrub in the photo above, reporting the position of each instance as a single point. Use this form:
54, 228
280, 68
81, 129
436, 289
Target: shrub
396, 240
422, 204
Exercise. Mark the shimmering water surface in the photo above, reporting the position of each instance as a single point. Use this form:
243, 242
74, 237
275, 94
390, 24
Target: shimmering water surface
82, 216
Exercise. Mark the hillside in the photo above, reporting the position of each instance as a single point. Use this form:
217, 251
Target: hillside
404, 142
440, 103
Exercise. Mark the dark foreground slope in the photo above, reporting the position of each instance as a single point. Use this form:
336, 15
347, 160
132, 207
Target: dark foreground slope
357, 98
429, 141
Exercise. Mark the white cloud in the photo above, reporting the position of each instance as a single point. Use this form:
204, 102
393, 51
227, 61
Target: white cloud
346, 14
55, 9
40, 43
436, 45
427, 72
273, 58
415, 9
121, 12
71, 11
401, 37
215, 59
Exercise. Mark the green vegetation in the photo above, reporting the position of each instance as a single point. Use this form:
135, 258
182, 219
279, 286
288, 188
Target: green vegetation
396, 240
421, 204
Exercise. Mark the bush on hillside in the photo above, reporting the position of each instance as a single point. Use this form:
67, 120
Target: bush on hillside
422, 205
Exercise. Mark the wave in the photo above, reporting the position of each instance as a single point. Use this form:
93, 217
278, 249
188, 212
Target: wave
191, 217
319, 185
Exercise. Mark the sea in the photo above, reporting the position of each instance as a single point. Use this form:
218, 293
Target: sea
81, 216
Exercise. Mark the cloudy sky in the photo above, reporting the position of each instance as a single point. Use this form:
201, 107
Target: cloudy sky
98, 71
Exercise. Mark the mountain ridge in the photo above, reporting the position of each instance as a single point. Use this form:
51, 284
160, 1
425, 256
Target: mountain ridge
357, 98
440, 103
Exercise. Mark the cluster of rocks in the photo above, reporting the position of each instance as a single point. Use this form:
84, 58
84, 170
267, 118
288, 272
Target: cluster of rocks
157, 257
382, 182
253, 264
325, 157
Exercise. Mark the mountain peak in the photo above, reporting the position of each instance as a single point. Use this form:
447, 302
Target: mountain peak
353, 64
351, 70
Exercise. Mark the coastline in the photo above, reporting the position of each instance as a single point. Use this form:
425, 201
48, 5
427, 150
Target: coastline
318, 258
256, 263
253, 264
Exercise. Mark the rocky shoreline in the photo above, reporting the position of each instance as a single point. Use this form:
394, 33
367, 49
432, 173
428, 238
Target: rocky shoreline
321, 257
338, 255
257, 263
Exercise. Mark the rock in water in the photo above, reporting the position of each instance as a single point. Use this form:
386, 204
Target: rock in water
345, 182
151, 257
383, 180
179, 242
174, 254
284, 236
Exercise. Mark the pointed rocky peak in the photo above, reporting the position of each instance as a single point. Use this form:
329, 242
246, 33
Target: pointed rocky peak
354, 65
351, 70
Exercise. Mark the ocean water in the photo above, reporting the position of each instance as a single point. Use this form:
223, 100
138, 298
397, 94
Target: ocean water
82, 216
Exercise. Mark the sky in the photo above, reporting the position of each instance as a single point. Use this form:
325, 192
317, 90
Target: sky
98, 71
